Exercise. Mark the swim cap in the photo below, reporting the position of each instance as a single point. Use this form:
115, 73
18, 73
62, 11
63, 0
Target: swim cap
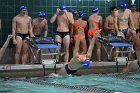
94, 10
122, 4
23, 8
41, 14
71, 10
86, 63
80, 14
62, 7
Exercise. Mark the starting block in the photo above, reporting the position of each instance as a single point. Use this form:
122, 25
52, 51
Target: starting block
37, 46
113, 42
50, 63
120, 60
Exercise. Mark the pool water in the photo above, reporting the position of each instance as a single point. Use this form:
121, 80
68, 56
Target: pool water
106, 83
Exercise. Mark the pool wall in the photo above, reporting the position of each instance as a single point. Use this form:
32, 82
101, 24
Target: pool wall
37, 70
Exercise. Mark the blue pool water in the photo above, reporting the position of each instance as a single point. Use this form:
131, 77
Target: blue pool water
110, 83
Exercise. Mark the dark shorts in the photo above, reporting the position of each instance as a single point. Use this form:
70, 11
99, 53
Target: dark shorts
23, 36
62, 34
68, 70
138, 63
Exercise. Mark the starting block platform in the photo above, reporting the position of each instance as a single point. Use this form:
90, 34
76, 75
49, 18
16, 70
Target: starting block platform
38, 45
113, 42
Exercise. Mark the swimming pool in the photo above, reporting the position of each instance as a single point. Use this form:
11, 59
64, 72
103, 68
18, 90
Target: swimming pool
103, 83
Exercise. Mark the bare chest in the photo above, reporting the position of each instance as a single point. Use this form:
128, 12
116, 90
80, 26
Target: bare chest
123, 16
111, 20
62, 18
39, 25
22, 21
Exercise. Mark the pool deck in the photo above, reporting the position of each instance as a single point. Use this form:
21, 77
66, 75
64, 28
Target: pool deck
13, 70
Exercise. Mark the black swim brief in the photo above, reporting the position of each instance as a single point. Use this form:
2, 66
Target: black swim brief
23, 36
62, 34
68, 70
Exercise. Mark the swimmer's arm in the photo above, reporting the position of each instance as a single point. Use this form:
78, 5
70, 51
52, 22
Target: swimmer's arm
46, 29
86, 26
71, 31
33, 25
116, 24
131, 22
100, 23
2, 50
14, 28
53, 18
139, 20
70, 17
30, 28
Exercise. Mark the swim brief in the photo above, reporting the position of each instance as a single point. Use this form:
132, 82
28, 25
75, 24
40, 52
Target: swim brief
68, 70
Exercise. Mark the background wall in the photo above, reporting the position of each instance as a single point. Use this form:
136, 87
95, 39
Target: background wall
10, 8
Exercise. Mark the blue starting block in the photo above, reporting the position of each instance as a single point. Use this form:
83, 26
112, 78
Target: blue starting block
113, 42
37, 44
45, 46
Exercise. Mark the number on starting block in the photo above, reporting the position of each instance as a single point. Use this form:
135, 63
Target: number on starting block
121, 59
49, 61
